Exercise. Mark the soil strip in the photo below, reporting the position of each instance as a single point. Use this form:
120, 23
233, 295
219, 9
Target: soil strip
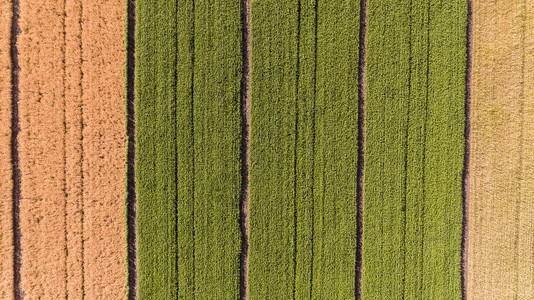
245, 151
15, 128
361, 149
130, 130
467, 136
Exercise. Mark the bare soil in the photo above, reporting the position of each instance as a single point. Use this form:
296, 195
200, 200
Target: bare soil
6, 184
501, 180
245, 149
72, 149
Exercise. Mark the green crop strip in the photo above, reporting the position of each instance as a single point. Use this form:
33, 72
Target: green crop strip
414, 143
188, 135
303, 152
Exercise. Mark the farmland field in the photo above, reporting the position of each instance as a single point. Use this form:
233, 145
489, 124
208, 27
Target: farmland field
303, 162
501, 265
266, 149
188, 136
71, 148
414, 145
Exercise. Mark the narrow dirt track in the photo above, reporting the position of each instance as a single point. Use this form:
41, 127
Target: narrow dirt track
245, 151
72, 149
500, 246
6, 184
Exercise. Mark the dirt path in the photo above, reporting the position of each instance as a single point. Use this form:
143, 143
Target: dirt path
245, 151
6, 185
500, 262
72, 149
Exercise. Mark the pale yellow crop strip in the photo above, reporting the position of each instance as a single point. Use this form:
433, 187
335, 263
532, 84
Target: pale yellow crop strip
525, 249
500, 241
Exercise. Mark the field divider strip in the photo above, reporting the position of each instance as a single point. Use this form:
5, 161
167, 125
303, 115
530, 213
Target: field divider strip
82, 153
193, 143
130, 167
245, 151
316, 26
15, 129
361, 147
65, 193
467, 148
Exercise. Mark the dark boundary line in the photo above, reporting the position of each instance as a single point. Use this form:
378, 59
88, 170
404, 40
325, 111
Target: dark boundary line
82, 152
245, 151
65, 190
361, 148
130, 158
467, 150
316, 27
15, 129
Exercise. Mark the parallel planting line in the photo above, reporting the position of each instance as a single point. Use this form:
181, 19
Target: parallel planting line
73, 149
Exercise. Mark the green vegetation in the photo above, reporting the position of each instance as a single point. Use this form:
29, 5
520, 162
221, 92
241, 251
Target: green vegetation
303, 149
188, 134
414, 143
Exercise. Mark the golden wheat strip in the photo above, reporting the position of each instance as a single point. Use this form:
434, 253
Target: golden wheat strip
525, 249
104, 148
6, 184
502, 142
73, 149
42, 149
